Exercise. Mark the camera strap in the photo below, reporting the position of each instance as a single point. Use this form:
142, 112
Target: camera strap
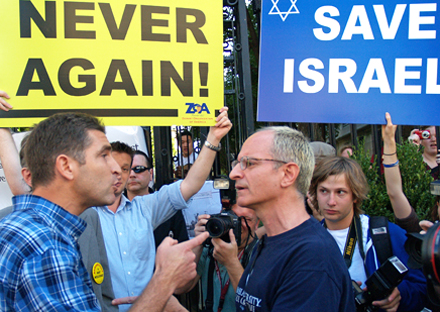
209, 302
354, 235
350, 244
224, 288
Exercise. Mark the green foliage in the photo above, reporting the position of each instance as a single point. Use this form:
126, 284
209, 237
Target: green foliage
415, 182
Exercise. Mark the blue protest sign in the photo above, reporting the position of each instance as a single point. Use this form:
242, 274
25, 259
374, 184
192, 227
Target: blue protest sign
350, 61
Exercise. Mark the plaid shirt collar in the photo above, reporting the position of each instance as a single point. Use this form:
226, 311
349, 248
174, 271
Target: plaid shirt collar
55, 216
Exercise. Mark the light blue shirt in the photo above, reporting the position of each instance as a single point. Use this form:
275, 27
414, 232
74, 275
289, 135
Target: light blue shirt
129, 239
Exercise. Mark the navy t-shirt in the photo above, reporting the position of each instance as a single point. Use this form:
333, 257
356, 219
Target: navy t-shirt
299, 270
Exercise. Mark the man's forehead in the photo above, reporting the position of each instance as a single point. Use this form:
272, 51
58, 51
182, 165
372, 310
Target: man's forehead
335, 180
121, 158
97, 137
260, 142
139, 159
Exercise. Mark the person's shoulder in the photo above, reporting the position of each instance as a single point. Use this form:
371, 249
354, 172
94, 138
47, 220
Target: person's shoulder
89, 214
310, 237
26, 232
5, 211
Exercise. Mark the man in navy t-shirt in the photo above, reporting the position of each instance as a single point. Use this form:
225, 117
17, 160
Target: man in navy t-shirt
297, 266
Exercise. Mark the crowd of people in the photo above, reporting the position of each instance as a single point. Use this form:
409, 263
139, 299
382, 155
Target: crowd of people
87, 232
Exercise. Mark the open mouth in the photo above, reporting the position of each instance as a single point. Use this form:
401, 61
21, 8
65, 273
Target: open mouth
239, 188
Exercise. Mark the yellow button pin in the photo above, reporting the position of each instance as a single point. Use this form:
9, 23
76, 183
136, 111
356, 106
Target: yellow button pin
98, 273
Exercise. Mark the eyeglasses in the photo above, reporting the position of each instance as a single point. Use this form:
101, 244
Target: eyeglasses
140, 169
246, 161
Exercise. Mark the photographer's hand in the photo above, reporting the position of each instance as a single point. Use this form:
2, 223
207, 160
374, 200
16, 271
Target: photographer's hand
201, 223
227, 255
390, 304
425, 225
414, 138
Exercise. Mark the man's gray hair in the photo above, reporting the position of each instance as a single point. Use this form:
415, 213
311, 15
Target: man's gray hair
290, 145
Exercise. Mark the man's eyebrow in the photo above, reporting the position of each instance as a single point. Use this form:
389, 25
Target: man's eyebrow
105, 148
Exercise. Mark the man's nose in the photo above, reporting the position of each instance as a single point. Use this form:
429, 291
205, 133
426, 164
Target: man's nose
236, 173
331, 200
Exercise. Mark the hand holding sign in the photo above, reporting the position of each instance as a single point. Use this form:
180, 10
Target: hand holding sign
3, 104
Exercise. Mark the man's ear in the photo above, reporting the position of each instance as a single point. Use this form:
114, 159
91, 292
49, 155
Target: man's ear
27, 177
65, 166
291, 172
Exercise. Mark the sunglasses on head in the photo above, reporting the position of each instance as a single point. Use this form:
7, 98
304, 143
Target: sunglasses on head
139, 169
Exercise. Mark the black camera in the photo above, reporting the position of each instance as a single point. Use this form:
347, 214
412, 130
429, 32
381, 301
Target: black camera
424, 252
219, 225
380, 284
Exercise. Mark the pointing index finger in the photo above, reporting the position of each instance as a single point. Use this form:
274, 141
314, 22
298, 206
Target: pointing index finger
196, 241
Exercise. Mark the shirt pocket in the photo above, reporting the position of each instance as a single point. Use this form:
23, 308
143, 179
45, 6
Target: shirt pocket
142, 243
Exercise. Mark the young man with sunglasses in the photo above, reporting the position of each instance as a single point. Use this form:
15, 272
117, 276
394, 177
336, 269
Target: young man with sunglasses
128, 225
297, 265
141, 174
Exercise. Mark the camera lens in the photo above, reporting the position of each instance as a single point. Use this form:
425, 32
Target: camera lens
216, 227
431, 253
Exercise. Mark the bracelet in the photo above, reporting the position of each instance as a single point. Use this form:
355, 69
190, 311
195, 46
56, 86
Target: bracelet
391, 165
213, 147
390, 154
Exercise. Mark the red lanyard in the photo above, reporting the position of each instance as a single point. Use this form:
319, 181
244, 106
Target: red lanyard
224, 289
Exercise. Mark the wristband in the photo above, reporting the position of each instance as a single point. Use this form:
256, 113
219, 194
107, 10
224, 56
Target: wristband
390, 154
213, 147
391, 165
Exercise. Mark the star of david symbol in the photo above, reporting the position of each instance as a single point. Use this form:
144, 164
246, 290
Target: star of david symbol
276, 11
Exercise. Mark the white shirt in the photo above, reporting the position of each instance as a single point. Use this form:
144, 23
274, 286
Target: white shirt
356, 270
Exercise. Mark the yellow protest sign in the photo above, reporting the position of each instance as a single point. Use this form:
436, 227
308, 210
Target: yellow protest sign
146, 62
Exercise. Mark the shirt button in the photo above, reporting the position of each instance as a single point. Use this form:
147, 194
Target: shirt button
120, 234
128, 273
125, 253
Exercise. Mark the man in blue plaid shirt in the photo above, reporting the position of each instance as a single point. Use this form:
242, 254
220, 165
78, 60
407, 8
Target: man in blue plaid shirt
41, 269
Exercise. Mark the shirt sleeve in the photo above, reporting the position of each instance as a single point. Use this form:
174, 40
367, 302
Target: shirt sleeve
55, 281
410, 223
164, 203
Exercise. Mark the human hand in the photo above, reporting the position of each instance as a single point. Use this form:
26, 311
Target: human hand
3, 104
201, 224
124, 300
224, 252
222, 126
425, 225
175, 262
414, 138
389, 130
391, 303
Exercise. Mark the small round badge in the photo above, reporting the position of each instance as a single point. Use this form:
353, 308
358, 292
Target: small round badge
98, 273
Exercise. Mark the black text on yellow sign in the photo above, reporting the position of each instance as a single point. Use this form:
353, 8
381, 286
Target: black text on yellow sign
141, 61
